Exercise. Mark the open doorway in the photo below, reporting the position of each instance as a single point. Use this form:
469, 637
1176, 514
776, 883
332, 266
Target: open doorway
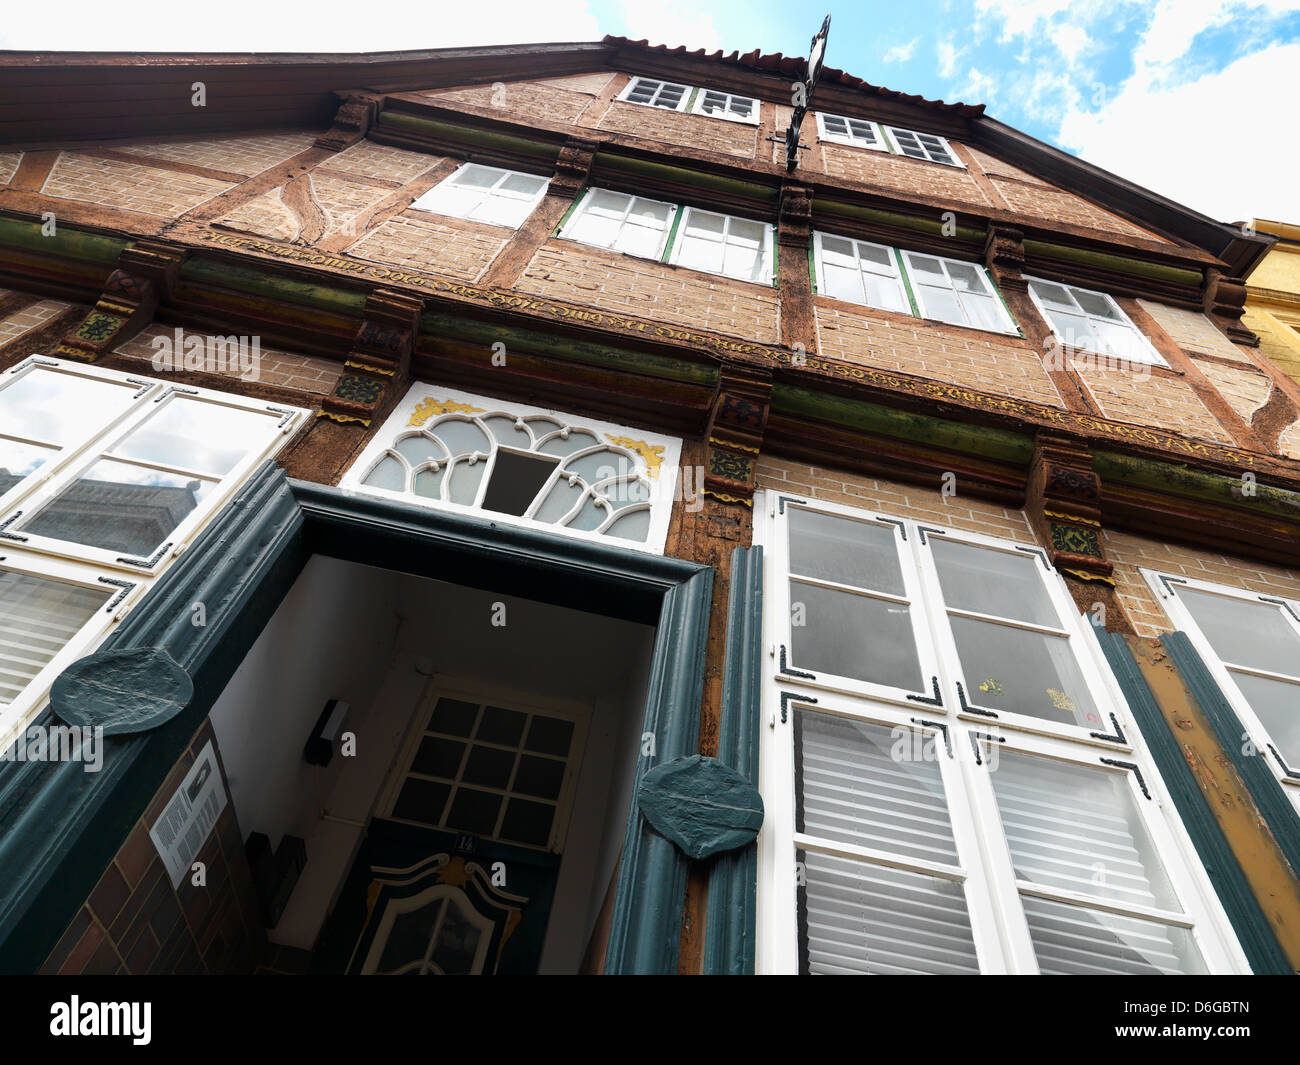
477, 823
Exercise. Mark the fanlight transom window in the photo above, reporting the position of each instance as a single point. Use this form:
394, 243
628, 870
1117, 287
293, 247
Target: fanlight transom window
538, 466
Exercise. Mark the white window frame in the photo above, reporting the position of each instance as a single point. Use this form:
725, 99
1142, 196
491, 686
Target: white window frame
49, 484
909, 289
750, 117
580, 207
952, 160
405, 421
122, 595
681, 104
998, 924
851, 139
1008, 323
1165, 586
1153, 357
127, 579
895, 270
429, 201
766, 257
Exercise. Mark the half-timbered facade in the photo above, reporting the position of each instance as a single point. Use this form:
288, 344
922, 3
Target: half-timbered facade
480, 511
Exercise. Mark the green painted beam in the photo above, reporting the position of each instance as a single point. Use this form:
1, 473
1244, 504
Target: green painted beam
609, 162
929, 226
64, 242
999, 445
469, 135
1195, 484
224, 274
591, 353
1156, 271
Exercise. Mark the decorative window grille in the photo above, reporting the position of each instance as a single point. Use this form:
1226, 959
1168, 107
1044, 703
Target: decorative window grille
524, 464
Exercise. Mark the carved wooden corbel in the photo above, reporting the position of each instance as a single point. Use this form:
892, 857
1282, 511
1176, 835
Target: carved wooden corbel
1225, 301
144, 276
735, 433
379, 362
1064, 506
355, 116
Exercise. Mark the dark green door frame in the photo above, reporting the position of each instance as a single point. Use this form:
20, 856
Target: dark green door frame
60, 827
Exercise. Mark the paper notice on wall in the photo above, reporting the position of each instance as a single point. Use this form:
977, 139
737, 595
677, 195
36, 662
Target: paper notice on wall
187, 819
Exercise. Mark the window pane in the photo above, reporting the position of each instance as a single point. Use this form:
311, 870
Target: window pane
941, 304
1245, 633
499, 211
1078, 828
863, 131
1053, 294
860, 918
594, 229
650, 213
473, 176
927, 270
745, 233
120, 507
705, 225
1119, 340
839, 549
670, 96
966, 278
871, 786
842, 283
208, 438
984, 312
606, 203
744, 263
885, 294
1277, 705
1095, 303
713, 102
876, 257
55, 408
1073, 940
524, 184
837, 251
639, 240
854, 636
987, 581
1023, 672
18, 460
834, 125
38, 616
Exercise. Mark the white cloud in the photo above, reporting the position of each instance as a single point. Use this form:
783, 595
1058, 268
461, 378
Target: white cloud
948, 55
1205, 143
665, 24
255, 25
980, 88
901, 53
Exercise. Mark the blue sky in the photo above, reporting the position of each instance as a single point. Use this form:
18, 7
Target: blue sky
1192, 98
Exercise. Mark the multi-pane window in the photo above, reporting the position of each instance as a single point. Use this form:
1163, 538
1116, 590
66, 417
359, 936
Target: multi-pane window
857, 132
952, 784
925, 146
956, 292
654, 93
103, 477
485, 194
503, 772
726, 105
1091, 321
684, 236
1251, 642
927, 286
619, 221
722, 244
